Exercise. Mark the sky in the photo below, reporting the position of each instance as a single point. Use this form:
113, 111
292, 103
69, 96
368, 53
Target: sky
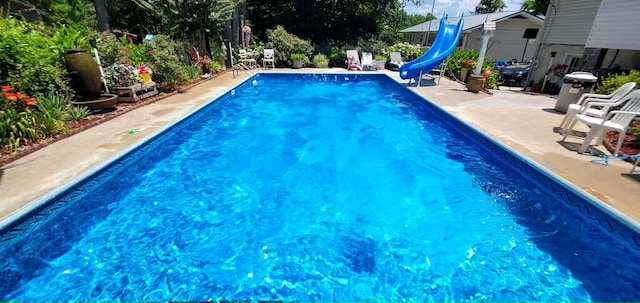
454, 8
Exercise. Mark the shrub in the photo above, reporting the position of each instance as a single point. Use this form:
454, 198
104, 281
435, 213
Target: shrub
373, 46
612, 82
320, 61
29, 60
298, 57
459, 58
215, 66
408, 51
287, 44
17, 120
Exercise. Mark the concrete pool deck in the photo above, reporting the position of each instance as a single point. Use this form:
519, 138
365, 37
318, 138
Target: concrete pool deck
521, 121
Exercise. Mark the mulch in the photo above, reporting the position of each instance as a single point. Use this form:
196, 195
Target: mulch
91, 121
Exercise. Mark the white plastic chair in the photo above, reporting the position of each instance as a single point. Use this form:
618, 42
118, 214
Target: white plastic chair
367, 62
269, 58
353, 60
617, 120
584, 108
246, 58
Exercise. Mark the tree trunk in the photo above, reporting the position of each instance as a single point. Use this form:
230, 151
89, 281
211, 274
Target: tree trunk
235, 26
102, 15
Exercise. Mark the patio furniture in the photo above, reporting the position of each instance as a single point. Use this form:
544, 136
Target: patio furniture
353, 60
367, 62
269, 58
586, 107
395, 60
617, 120
247, 59
635, 164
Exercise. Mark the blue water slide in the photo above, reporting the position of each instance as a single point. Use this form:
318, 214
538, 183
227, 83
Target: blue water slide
445, 43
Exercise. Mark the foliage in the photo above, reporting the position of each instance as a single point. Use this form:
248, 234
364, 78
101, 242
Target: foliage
536, 7
458, 59
320, 61
408, 51
120, 75
468, 63
613, 81
490, 6
51, 114
636, 132
215, 66
373, 46
28, 60
109, 49
78, 112
17, 122
342, 21
67, 12
287, 44
187, 20
380, 58
298, 56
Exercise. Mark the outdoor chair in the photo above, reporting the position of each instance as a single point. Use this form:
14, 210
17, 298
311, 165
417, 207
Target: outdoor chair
395, 61
269, 58
353, 60
616, 120
367, 62
635, 164
585, 105
246, 58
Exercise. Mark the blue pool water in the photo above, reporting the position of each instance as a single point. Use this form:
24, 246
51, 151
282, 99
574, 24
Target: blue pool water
319, 188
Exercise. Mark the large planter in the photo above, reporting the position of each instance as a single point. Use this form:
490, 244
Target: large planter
84, 73
297, 63
475, 83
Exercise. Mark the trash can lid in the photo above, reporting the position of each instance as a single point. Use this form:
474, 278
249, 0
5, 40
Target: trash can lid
581, 77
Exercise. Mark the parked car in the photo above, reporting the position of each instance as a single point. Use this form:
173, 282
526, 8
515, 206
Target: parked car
514, 75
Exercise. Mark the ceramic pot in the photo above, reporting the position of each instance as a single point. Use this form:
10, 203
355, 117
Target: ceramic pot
84, 73
475, 83
297, 63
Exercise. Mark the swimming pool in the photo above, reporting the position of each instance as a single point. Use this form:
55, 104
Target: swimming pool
319, 187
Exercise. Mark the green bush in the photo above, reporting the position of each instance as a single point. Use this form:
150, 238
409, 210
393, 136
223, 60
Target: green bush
373, 46
287, 44
408, 51
320, 61
29, 60
458, 56
612, 82
215, 66
298, 56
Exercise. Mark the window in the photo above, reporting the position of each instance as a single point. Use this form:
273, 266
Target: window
572, 61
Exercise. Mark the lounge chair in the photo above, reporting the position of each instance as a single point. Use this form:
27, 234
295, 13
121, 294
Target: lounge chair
269, 58
367, 62
616, 120
353, 60
395, 61
583, 107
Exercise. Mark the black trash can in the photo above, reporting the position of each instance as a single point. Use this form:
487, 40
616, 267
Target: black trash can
573, 86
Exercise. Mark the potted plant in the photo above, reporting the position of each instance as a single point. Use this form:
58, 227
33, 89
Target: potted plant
381, 61
465, 65
298, 60
144, 73
120, 75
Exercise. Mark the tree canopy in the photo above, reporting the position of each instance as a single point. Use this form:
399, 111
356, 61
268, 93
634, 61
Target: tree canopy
536, 7
490, 6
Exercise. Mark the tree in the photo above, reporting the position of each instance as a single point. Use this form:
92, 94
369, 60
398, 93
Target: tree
190, 20
490, 6
341, 21
536, 7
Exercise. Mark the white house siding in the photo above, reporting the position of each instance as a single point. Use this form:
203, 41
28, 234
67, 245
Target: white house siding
574, 21
507, 42
616, 26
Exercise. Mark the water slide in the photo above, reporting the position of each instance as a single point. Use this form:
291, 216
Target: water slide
445, 43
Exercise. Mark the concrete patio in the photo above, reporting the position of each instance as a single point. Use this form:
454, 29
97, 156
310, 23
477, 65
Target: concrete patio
521, 121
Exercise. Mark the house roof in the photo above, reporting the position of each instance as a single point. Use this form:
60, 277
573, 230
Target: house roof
471, 22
